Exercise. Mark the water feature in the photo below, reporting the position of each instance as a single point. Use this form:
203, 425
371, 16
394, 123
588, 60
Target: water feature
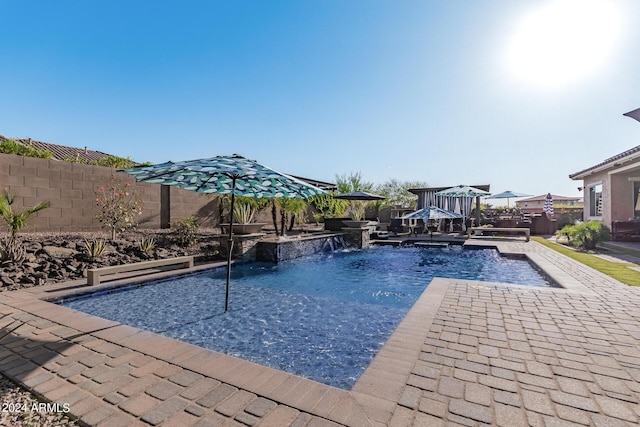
323, 316
333, 243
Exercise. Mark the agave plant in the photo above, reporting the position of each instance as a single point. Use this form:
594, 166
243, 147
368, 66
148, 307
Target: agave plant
95, 248
147, 245
243, 213
357, 211
11, 252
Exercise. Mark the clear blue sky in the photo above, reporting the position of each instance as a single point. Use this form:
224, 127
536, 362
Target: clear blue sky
513, 93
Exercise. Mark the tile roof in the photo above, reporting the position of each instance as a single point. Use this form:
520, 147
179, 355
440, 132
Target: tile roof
610, 160
544, 196
61, 152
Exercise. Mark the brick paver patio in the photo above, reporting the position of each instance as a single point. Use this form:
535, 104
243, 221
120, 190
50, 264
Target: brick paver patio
468, 353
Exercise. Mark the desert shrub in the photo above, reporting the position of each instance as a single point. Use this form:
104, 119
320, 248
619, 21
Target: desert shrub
328, 206
186, 230
9, 146
585, 235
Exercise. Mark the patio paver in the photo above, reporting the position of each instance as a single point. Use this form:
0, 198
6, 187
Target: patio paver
468, 353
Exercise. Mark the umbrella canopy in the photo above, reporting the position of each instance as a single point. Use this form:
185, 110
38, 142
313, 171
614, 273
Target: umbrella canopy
359, 195
432, 212
548, 205
233, 175
635, 114
508, 195
462, 191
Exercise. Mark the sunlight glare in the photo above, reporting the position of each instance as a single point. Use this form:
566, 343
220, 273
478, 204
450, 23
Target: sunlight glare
564, 41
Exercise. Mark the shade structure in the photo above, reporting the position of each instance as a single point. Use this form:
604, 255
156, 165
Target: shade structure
548, 205
463, 191
432, 212
234, 175
508, 195
358, 195
467, 193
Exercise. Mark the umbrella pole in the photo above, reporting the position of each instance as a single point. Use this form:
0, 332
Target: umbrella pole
233, 194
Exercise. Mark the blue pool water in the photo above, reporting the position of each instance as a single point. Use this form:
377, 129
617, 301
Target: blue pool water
323, 317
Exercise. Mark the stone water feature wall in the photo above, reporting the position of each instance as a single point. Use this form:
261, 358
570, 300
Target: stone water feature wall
286, 249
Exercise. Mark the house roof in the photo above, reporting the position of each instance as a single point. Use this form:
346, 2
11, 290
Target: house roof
320, 184
544, 196
611, 162
64, 152
436, 189
61, 152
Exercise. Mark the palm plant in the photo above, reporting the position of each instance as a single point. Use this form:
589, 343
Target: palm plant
17, 220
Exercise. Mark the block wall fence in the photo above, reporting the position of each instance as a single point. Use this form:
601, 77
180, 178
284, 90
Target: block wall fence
71, 187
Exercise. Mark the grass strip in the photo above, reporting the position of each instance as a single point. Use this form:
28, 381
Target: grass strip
618, 270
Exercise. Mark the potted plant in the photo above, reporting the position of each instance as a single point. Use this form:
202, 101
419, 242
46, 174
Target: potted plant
356, 212
243, 219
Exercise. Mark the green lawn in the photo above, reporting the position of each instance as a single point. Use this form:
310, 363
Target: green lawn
618, 270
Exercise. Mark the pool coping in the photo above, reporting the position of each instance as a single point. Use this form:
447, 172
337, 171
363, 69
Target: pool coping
371, 401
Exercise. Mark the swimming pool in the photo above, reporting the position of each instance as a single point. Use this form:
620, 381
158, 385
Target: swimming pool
323, 317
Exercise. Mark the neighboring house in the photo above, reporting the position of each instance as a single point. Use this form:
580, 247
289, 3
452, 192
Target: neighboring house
612, 193
536, 203
327, 186
61, 152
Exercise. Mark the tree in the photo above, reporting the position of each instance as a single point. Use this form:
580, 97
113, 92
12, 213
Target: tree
289, 208
352, 182
17, 220
119, 205
397, 192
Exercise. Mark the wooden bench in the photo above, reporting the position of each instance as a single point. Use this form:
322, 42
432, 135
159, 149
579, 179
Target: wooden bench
514, 230
93, 274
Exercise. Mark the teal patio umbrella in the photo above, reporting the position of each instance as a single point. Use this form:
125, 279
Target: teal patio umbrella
233, 175
432, 212
508, 195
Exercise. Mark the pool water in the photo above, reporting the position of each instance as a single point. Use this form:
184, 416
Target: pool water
323, 317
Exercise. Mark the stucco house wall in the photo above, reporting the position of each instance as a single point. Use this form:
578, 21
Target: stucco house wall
619, 177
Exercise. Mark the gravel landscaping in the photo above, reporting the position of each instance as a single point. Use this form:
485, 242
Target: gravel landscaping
59, 257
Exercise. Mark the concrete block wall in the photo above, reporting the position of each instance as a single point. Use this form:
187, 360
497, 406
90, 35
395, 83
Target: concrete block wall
71, 190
